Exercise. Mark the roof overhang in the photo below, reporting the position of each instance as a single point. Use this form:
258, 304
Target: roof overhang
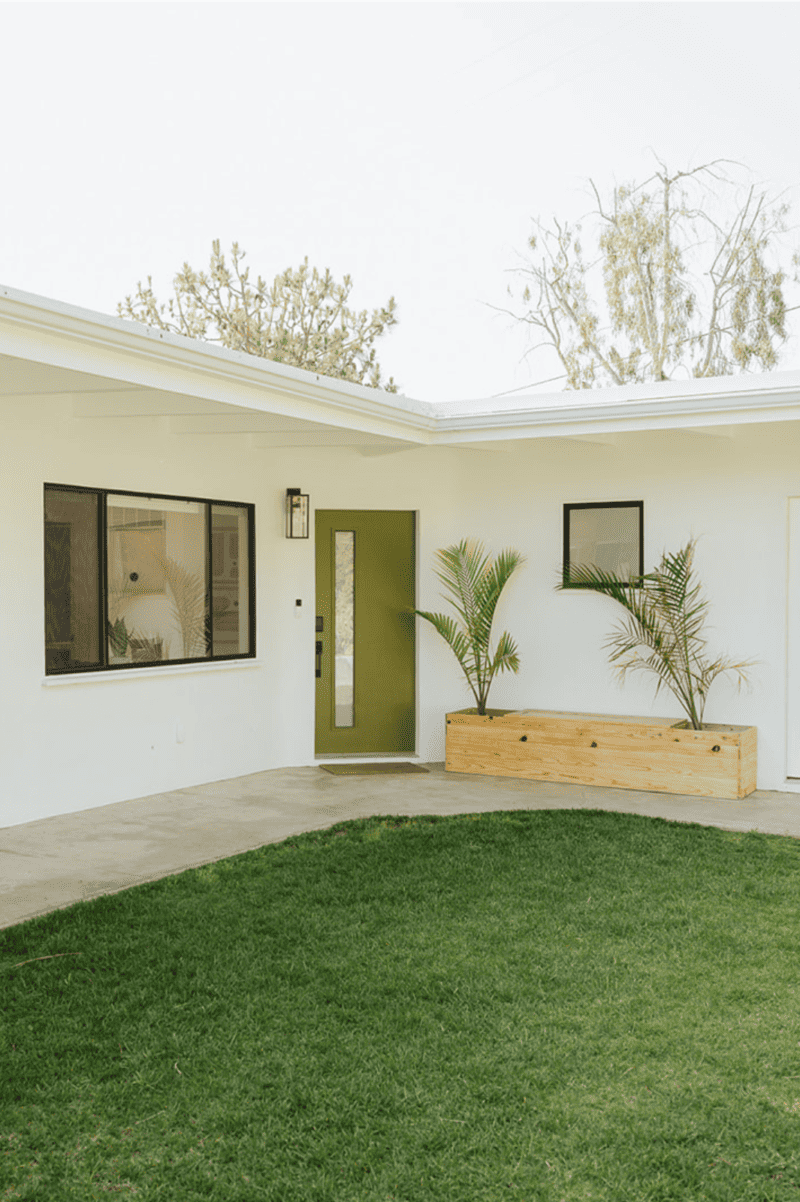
119, 370
123, 369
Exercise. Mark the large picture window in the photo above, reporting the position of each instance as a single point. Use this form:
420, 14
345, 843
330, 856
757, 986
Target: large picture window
138, 579
607, 535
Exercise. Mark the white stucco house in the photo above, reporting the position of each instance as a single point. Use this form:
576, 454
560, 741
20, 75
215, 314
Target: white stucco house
161, 630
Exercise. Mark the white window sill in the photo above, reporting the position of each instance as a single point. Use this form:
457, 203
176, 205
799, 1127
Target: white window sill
153, 673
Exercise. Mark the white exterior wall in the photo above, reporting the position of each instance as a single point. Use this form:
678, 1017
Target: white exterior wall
71, 744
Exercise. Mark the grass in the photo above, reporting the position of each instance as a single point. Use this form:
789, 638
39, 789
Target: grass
539, 1006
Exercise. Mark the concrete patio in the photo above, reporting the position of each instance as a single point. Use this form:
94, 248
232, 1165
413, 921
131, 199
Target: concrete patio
55, 862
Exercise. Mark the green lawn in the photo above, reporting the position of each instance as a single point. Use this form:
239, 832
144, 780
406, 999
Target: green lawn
536, 1006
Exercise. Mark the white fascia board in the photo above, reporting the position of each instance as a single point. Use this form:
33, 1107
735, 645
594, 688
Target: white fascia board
59, 335
726, 402
692, 392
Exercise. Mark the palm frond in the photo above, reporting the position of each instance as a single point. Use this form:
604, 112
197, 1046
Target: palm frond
456, 640
473, 584
506, 657
489, 588
665, 617
461, 567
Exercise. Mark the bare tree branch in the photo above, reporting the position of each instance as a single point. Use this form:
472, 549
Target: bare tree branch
664, 309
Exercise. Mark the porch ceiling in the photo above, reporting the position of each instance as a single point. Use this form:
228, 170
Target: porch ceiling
102, 399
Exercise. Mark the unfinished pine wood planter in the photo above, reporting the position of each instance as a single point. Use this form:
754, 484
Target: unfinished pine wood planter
655, 754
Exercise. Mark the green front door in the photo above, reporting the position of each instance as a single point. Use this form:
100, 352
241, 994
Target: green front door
365, 632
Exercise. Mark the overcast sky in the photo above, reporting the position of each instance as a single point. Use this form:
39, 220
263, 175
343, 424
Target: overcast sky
407, 144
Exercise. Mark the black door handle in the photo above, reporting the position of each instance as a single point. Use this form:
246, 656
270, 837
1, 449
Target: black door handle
319, 658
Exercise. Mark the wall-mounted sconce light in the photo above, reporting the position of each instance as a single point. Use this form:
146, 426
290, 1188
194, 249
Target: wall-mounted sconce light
296, 513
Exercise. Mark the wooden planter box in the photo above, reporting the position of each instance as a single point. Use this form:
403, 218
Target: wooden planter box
655, 754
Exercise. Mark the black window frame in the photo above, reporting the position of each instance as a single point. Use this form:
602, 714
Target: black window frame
635, 579
102, 494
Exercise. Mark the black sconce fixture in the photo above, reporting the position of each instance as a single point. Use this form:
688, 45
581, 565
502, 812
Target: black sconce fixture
296, 513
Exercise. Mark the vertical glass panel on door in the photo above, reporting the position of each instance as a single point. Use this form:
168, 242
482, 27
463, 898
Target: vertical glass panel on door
343, 627
157, 595
230, 598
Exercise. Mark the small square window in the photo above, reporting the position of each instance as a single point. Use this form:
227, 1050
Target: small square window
605, 534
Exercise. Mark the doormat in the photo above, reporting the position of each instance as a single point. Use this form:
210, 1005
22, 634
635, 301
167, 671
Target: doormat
371, 769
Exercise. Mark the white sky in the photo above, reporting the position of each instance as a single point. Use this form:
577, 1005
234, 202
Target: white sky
407, 144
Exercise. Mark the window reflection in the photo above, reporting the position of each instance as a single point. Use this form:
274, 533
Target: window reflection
157, 597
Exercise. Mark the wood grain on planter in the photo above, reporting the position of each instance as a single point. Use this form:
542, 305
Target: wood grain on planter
618, 751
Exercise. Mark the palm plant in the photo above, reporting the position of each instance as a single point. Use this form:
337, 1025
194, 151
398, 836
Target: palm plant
662, 630
475, 583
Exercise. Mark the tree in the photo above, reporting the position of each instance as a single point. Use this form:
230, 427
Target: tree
665, 308
302, 319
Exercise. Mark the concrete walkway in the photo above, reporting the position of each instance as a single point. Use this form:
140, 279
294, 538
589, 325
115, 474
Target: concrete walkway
54, 862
